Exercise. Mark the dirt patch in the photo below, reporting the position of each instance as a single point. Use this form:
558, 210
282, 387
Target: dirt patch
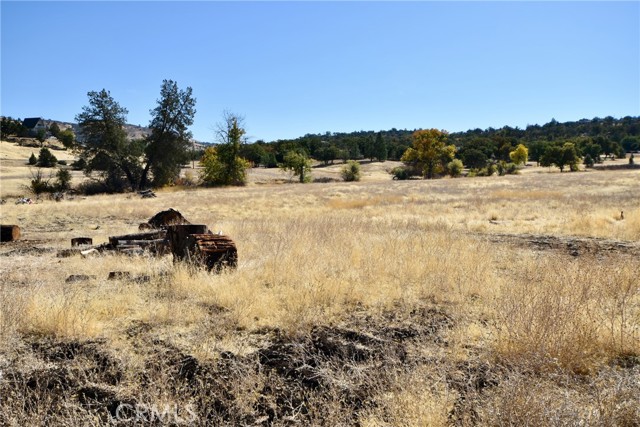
575, 246
288, 380
24, 247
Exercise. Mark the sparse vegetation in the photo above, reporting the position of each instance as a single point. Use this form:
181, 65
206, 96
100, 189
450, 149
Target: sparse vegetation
222, 164
495, 301
387, 303
351, 171
298, 164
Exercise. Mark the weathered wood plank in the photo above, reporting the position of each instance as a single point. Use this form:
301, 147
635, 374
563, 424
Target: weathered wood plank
150, 235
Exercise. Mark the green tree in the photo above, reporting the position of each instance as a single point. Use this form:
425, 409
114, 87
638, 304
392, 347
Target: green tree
552, 156
10, 126
380, 148
327, 154
537, 149
212, 168
588, 161
46, 159
33, 160
223, 164
253, 152
593, 151
67, 138
54, 129
520, 155
351, 171
631, 143
167, 148
104, 142
430, 152
41, 135
299, 164
561, 157
63, 180
570, 156
474, 158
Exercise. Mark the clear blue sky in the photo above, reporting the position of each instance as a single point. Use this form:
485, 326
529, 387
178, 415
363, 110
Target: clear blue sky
293, 68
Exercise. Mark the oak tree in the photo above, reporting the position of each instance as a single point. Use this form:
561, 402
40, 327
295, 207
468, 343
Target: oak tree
430, 152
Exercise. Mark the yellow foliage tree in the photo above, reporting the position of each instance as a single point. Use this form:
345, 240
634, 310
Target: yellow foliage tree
520, 155
430, 151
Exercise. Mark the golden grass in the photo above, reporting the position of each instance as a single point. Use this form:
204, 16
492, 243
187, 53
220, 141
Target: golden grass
314, 254
417, 400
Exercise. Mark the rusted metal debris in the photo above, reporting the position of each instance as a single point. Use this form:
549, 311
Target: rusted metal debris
196, 243
9, 233
170, 233
163, 219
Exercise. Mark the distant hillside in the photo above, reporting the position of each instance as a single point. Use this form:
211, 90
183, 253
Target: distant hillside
133, 131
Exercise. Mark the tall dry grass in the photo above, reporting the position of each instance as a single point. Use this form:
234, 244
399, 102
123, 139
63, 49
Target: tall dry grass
316, 254
572, 314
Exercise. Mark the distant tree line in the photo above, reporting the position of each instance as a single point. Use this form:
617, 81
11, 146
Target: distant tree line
330, 147
596, 138
592, 139
122, 164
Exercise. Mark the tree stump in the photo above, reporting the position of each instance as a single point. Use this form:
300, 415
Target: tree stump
79, 241
9, 233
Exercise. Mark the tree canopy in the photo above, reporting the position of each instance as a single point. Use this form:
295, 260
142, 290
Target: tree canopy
430, 152
223, 164
167, 148
129, 164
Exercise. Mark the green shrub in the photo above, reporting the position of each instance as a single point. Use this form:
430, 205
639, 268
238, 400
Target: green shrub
79, 164
90, 188
455, 167
511, 169
401, 173
33, 160
63, 180
46, 159
324, 180
39, 184
351, 171
588, 161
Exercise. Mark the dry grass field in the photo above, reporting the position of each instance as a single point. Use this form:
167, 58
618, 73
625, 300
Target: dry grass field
496, 301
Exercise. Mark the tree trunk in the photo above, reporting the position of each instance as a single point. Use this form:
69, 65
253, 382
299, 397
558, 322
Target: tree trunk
145, 174
9, 233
